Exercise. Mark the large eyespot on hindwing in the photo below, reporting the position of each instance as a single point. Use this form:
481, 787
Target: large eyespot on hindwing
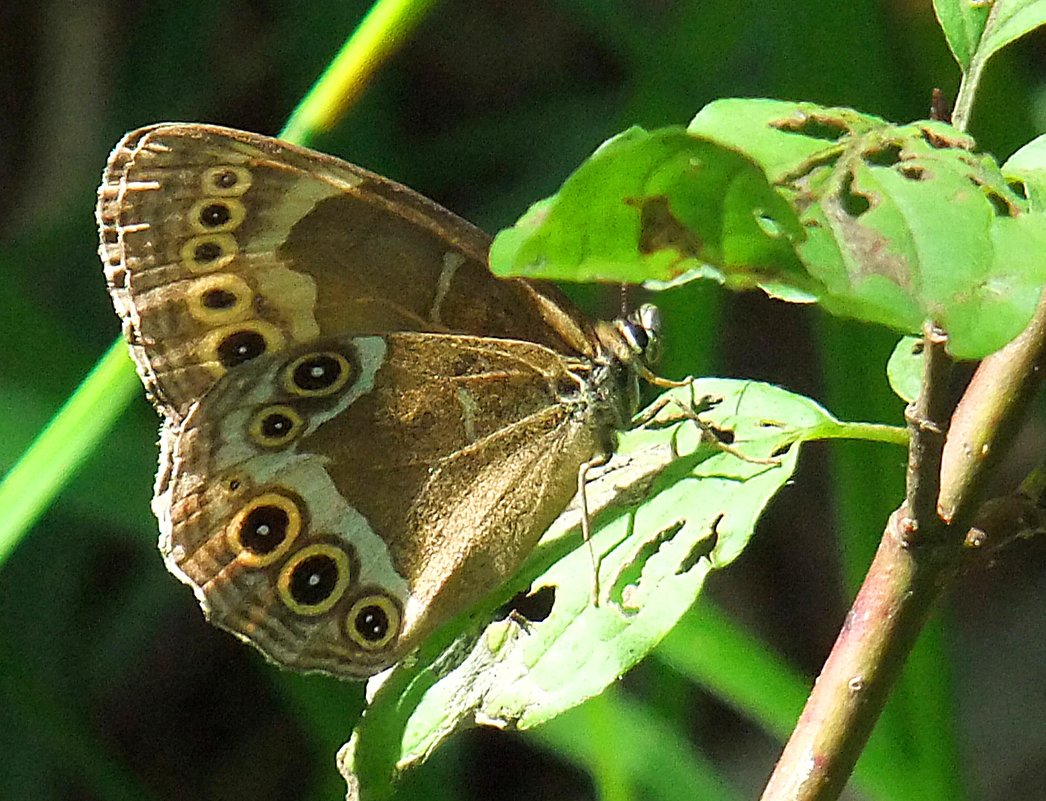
265, 529
373, 621
275, 426
237, 343
317, 375
314, 579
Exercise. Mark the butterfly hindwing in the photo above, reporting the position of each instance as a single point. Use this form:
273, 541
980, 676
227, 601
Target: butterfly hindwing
423, 477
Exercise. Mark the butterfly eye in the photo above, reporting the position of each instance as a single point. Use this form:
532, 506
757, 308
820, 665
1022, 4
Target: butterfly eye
275, 425
317, 374
213, 215
264, 530
373, 621
225, 181
314, 579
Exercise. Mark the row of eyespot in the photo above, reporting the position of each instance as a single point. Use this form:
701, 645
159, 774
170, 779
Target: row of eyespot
316, 576
220, 298
312, 375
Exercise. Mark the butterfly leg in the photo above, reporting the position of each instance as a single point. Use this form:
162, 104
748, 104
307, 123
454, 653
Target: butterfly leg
692, 413
586, 522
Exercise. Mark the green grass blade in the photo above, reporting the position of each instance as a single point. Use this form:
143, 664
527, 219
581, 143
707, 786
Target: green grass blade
54, 456
631, 753
381, 33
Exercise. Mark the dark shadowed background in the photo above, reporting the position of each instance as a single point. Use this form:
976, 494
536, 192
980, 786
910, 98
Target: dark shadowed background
113, 686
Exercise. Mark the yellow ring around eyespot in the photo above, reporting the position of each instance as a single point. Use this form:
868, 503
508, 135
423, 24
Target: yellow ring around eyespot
391, 611
207, 350
226, 243
258, 435
249, 558
341, 561
342, 380
209, 181
222, 282
237, 213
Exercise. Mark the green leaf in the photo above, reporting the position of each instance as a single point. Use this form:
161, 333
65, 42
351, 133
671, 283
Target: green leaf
668, 510
905, 368
1012, 20
903, 222
963, 24
1026, 172
974, 35
656, 206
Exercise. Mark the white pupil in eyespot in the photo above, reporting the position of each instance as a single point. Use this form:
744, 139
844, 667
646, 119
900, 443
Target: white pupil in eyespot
314, 579
263, 530
316, 371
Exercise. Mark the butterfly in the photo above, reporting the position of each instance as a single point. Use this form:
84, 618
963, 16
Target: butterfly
364, 431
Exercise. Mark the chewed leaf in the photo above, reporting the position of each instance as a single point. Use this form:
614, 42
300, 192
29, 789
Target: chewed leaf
892, 224
668, 510
1025, 171
903, 222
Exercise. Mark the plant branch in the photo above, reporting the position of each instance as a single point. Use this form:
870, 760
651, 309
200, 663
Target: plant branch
989, 415
920, 553
971, 76
927, 418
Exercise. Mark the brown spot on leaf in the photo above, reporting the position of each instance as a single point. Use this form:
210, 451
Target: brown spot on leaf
816, 126
936, 139
659, 229
884, 156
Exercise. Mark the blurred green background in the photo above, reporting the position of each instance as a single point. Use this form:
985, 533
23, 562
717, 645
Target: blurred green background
111, 684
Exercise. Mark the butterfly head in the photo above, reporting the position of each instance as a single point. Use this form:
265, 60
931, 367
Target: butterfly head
642, 331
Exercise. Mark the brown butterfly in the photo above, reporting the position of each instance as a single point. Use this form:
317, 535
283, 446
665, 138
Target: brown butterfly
364, 431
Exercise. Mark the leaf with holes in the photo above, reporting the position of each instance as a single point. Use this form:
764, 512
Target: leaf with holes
902, 222
668, 510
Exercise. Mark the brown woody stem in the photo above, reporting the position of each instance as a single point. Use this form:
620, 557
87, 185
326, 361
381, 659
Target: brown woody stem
920, 553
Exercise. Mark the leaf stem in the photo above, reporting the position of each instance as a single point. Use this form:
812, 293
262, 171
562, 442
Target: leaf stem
971, 77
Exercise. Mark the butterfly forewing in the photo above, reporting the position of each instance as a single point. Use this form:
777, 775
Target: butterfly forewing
220, 245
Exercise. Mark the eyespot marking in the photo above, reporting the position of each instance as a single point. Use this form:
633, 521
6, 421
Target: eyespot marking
315, 375
314, 579
264, 530
225, 181
237, 343
208, 252
373, 622
219, 298
240, 347
275, 425
216, 214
